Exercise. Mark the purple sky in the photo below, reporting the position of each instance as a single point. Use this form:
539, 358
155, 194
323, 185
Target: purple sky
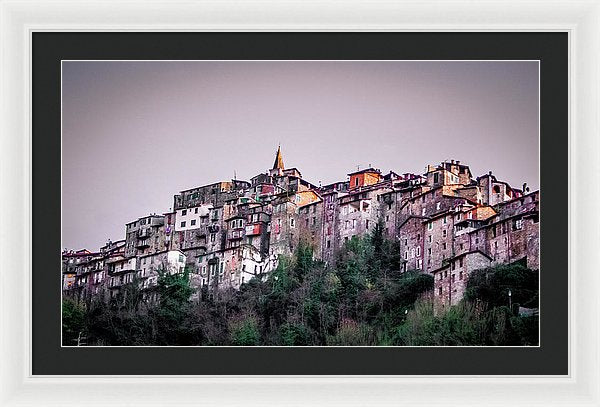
136, 133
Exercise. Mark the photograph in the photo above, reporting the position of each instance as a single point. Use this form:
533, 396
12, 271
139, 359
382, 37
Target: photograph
300, 203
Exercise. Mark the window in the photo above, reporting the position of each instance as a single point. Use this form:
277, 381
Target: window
418, 252
437, 206
387, 218
518, 224
306, 222
196, 210
328, 244
389, 207
419, 237
314, 220
356, 181
419, 264
184, 212
445, 220
429, 251
453, 265
444, 233
429, 238
367, 224
183, 224
406, 255
445, 273
444, 246
412, 253
436, 178
423, 212
452, 277
440, 291
430, 225
292, 222
193, 222
460, 275
494, 231
460, 262
181, 259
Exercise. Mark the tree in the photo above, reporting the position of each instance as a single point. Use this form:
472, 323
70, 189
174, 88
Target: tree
174, 308
73, 321
244, 332
491, 285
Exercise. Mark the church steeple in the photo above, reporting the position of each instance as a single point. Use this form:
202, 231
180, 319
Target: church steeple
278, 165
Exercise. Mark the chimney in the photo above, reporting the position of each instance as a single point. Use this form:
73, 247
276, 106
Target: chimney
524, 187
490, 173
457, 162
451, 161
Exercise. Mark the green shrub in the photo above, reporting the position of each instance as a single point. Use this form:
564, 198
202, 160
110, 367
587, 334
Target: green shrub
244, 332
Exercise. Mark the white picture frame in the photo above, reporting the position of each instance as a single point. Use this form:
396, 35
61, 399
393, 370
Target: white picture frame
18, 19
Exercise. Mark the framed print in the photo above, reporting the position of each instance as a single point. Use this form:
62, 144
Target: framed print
346, 274
334, 207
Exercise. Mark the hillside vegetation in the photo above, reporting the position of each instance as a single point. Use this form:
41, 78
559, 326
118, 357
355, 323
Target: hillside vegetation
362, 299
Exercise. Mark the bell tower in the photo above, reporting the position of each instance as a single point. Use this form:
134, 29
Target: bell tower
278, 164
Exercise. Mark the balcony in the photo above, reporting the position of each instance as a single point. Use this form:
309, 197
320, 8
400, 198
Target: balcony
142, 244
235, 234
122, 267
143, 234
252, 230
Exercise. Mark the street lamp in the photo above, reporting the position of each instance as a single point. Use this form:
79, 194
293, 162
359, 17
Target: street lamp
510, 299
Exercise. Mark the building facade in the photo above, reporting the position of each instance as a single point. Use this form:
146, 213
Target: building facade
446, 222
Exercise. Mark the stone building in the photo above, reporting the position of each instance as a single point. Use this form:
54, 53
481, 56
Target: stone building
450, 279
150, 266
144, 235
446, 223
72, 264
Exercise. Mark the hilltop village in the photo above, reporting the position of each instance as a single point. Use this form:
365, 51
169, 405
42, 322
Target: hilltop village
448, 223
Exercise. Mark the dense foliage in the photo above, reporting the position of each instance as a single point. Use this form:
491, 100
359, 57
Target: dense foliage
362, 299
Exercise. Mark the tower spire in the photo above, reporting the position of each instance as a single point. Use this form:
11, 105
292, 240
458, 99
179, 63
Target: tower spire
278, 164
